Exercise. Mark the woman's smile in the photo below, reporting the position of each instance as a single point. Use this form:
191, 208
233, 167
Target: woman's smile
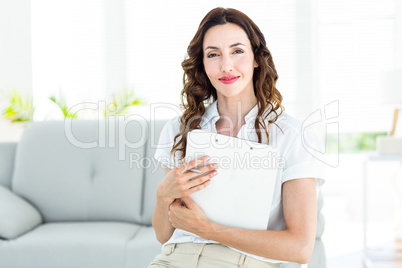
230, 79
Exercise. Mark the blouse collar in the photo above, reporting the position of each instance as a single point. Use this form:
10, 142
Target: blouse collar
211, 113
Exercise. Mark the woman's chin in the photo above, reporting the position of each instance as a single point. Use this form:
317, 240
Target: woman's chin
230, 94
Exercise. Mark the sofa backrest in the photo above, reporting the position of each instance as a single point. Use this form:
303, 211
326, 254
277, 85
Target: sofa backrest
90, 183
154, 173
81, 170
7, 153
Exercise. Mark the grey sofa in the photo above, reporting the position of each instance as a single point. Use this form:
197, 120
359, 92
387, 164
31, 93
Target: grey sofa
82, 193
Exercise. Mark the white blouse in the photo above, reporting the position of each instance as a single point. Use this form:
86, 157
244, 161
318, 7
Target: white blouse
299, 163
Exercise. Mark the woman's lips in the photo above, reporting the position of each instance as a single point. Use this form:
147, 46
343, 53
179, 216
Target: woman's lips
229, 79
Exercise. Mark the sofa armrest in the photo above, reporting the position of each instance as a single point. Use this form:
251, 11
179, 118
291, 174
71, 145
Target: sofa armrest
17, 216
7, 156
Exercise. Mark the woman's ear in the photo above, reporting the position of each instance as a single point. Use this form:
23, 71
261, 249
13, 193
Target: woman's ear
256, 64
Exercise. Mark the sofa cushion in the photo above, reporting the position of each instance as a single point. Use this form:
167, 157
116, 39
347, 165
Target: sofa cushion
17, 216
80, 170
142, 249
75, 244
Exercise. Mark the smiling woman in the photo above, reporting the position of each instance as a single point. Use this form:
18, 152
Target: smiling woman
229, 65
229, 39
230, 88
230, 60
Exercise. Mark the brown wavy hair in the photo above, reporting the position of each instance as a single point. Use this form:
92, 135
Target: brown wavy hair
198, 90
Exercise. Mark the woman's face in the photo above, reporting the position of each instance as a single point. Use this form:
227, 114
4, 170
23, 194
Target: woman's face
229, 61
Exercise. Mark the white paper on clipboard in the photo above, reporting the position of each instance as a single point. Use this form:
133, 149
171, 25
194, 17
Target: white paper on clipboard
241, 194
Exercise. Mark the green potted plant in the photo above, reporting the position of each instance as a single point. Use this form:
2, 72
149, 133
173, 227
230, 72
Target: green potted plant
121, 102
62, 104
16, 112
18, 108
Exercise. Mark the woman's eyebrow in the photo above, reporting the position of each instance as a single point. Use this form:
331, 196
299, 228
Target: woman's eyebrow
237, 44
233, 45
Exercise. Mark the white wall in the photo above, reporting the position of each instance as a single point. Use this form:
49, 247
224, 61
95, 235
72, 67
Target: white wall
90, 49
15, 45
15, 56
398, 29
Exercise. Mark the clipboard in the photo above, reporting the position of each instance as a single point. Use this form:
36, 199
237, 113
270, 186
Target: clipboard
241, 194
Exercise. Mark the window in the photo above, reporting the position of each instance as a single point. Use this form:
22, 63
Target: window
324, 50
356, 45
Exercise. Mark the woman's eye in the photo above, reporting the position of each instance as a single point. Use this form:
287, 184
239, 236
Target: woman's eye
238, 51
211, 55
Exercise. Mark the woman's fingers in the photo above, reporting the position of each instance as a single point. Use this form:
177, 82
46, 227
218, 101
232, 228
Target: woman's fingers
183, 182
195, 162
208, 174
198, 187
175, 203
208, 167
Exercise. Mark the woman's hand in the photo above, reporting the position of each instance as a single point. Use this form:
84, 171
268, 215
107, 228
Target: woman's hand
188, 216
180, 182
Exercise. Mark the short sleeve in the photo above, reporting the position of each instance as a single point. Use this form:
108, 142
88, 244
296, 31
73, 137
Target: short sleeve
301, 160
166, 141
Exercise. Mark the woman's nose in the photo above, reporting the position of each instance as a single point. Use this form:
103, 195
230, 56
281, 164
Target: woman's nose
226, 65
